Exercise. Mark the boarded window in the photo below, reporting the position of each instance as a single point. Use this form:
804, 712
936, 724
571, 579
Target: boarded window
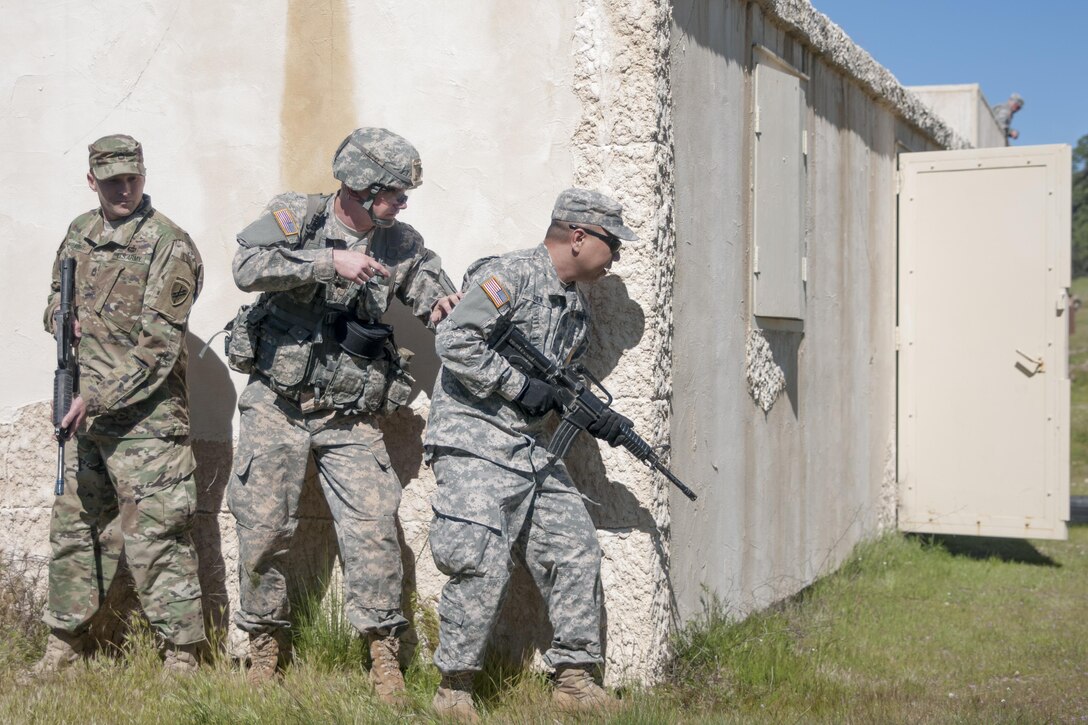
778, 228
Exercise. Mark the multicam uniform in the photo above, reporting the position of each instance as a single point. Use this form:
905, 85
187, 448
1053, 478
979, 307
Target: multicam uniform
500, 493
135, 283
307, 394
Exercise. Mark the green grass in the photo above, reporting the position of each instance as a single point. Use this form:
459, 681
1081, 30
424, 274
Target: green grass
910, 630
1078, 372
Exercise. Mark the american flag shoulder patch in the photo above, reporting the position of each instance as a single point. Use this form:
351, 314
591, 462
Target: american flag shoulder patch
286, 220
495, 292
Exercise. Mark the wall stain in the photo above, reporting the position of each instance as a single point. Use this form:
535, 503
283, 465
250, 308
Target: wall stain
318, 93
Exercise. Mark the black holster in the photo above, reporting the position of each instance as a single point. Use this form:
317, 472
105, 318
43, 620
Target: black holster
363, 339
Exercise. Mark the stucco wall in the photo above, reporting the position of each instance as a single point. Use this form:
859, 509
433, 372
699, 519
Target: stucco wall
787, 492
508, 104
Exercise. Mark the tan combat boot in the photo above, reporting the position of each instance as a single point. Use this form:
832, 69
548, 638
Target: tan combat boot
182, 659
453, 701
62, 650
385, 674
264, 657
577, 692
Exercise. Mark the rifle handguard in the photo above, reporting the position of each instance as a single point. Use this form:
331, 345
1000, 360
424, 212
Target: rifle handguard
583, 407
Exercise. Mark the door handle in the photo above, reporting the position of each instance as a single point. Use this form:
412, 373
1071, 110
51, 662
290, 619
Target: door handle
1037, 364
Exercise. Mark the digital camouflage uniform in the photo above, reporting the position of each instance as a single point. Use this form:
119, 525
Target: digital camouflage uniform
136, 280
306, 395
1003, 113
500, 493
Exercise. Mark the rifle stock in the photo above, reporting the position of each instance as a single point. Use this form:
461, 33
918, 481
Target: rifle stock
581, 407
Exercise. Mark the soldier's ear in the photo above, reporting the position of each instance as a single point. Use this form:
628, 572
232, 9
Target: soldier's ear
91, 182
577, 239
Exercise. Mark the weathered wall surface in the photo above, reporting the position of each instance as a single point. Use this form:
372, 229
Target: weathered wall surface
507, 103
788, 431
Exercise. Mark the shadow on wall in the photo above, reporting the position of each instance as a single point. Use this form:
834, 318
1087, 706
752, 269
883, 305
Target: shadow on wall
212, 399
414, 335
784, 348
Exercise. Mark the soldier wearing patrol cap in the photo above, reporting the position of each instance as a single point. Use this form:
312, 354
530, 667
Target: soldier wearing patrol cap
321, 365
1003, 113
500, 494
137, 275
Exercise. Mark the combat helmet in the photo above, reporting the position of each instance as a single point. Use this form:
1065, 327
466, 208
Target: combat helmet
375, 159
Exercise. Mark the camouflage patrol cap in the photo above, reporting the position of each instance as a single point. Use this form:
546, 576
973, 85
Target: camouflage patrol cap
592, 207
1016, 98
371, 156
116, 155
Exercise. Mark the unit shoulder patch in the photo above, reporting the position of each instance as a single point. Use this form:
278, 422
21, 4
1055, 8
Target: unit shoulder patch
495, 292
180, 291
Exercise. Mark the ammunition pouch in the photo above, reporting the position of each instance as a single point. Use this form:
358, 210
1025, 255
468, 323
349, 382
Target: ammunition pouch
240, 343
370, 385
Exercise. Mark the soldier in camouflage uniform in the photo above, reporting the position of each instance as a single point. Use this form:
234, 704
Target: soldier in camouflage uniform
1003, 113
321, 366
500, 494
137, 275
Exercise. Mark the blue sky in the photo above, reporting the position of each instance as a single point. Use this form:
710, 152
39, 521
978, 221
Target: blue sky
1037, 49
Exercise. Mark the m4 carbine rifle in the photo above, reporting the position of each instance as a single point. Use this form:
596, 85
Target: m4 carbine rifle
581, 407
66, 377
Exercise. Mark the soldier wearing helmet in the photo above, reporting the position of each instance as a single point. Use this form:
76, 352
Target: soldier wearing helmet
321, 366
373, 160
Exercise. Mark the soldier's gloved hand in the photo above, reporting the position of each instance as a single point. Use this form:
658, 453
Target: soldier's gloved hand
610, 427
538, 397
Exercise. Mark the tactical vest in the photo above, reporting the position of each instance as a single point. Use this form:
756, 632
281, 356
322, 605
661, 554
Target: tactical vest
293, 340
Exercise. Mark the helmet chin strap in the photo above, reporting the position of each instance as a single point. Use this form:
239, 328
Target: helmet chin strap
378, 222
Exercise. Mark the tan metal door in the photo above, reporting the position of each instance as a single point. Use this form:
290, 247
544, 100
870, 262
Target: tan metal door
984, 268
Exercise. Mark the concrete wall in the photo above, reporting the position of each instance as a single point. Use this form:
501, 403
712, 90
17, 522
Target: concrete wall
965, 109
787, 491
234, 102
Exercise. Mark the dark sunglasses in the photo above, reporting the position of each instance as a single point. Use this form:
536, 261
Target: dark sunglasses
614, 243
400, 198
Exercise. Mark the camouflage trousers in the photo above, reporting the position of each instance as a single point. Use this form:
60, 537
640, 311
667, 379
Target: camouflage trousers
138, 495
275, 443
547, 529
